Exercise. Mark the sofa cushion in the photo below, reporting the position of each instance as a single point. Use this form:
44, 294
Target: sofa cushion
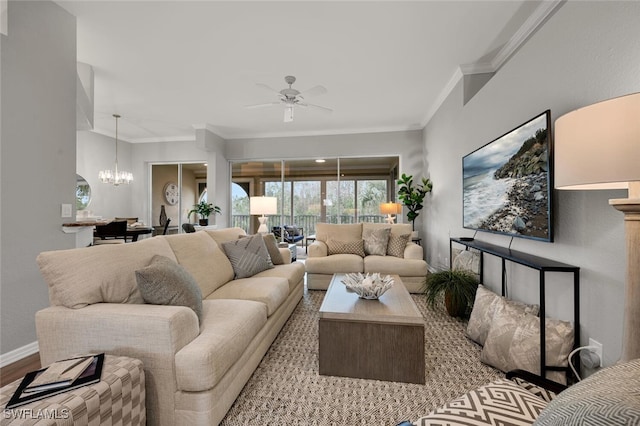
83, 276
346, 247
248, 256
342, 232
396, 228
227, 329
271, 291
293, 272
376, 240
513, 342
501, 402
203, 259
272, 247
338, 263
165, 282
397, 244
484, 309
226, 234
395, 265
609, 397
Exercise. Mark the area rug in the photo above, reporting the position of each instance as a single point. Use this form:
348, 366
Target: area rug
286, 388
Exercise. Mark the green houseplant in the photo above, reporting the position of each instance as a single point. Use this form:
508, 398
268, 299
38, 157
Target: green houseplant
458, 287
204, 210
412, 195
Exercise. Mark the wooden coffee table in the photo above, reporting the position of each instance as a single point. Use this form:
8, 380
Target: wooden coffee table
371, 339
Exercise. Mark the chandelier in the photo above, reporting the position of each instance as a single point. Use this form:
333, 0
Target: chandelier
115, 177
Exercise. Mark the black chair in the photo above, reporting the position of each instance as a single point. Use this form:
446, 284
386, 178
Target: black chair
166, 226
188, 228
112, 232
292, 234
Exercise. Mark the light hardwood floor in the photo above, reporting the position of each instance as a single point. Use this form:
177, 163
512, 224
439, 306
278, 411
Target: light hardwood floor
19, 368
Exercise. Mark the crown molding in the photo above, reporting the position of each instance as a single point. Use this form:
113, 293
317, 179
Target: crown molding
543, 12
329, 132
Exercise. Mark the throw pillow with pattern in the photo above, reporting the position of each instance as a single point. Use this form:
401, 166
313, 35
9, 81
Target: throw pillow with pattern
165, 282
346, 247
397, 244
248, 256
376, 241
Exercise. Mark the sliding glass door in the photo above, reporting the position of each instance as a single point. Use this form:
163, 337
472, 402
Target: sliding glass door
337, 190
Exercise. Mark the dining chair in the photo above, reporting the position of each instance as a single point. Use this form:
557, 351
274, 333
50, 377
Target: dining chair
114, 232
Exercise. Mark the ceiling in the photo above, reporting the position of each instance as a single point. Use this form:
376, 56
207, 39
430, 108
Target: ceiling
168, 67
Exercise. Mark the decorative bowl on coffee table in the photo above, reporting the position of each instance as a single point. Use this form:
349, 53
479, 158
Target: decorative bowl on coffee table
368, 286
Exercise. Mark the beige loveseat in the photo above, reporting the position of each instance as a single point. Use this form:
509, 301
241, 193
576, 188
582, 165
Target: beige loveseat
320, 265
194, 372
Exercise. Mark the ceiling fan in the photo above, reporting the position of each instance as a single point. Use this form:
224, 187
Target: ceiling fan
290, 98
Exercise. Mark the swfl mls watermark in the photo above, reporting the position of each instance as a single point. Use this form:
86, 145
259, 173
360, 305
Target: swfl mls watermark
36, 414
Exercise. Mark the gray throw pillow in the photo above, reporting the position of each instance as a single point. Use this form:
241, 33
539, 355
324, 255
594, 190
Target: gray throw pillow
248, 256
272, 247
165, 282
608, 397
513, 342
484, 309
376, 241
397, 244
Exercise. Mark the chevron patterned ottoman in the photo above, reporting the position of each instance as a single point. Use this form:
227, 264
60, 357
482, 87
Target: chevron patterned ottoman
118, 399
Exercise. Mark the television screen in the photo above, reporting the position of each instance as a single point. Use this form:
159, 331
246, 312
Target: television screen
507, 183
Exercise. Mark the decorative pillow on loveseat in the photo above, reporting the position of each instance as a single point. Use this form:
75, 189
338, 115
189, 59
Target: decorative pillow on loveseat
165, 282
513, 342
248, 256
376, 241
397, 244
483, 312
345, 247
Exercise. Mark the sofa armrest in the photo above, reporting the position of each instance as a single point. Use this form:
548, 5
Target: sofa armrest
286, 254
318, 249
151, 333
413, 251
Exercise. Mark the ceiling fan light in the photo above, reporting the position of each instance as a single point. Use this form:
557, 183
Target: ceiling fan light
288, 114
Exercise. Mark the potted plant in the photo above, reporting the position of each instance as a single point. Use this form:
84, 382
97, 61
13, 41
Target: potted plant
413, 196
458, 287
204, 209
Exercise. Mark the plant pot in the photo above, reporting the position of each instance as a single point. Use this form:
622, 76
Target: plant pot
204, 222
455, 308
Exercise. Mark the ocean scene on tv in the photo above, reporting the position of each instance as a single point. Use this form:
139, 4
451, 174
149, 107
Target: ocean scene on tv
506, 183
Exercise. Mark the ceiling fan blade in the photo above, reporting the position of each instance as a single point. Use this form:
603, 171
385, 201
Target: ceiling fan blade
268, 104
314, 91
318, 107
266, 87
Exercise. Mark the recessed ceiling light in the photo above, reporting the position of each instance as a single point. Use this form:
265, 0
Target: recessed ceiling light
320, 160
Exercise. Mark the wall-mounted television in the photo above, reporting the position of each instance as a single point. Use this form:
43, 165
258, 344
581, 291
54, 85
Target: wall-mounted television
508, 183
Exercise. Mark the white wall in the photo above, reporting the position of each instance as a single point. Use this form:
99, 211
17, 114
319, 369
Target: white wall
97, 152
586, 52
38, 151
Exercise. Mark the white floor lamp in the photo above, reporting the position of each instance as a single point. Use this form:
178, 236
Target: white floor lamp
263, 206
598, 147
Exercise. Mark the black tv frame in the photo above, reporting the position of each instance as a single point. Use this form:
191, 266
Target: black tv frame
549, 181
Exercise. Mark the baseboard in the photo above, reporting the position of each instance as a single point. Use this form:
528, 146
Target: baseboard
18, 354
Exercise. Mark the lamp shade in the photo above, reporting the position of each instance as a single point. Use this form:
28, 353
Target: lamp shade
390, 208
598, 146
263, 205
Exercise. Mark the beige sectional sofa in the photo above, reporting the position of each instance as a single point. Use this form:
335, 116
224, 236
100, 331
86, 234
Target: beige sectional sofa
194, 371
320, 265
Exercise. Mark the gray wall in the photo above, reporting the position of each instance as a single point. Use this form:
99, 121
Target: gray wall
586, 52
38, 151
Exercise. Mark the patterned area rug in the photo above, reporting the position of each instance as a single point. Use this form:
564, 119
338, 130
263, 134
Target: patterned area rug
286, 388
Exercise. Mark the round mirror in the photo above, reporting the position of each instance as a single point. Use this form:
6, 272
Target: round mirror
83, 193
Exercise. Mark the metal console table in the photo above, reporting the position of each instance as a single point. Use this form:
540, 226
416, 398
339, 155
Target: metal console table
535, 262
